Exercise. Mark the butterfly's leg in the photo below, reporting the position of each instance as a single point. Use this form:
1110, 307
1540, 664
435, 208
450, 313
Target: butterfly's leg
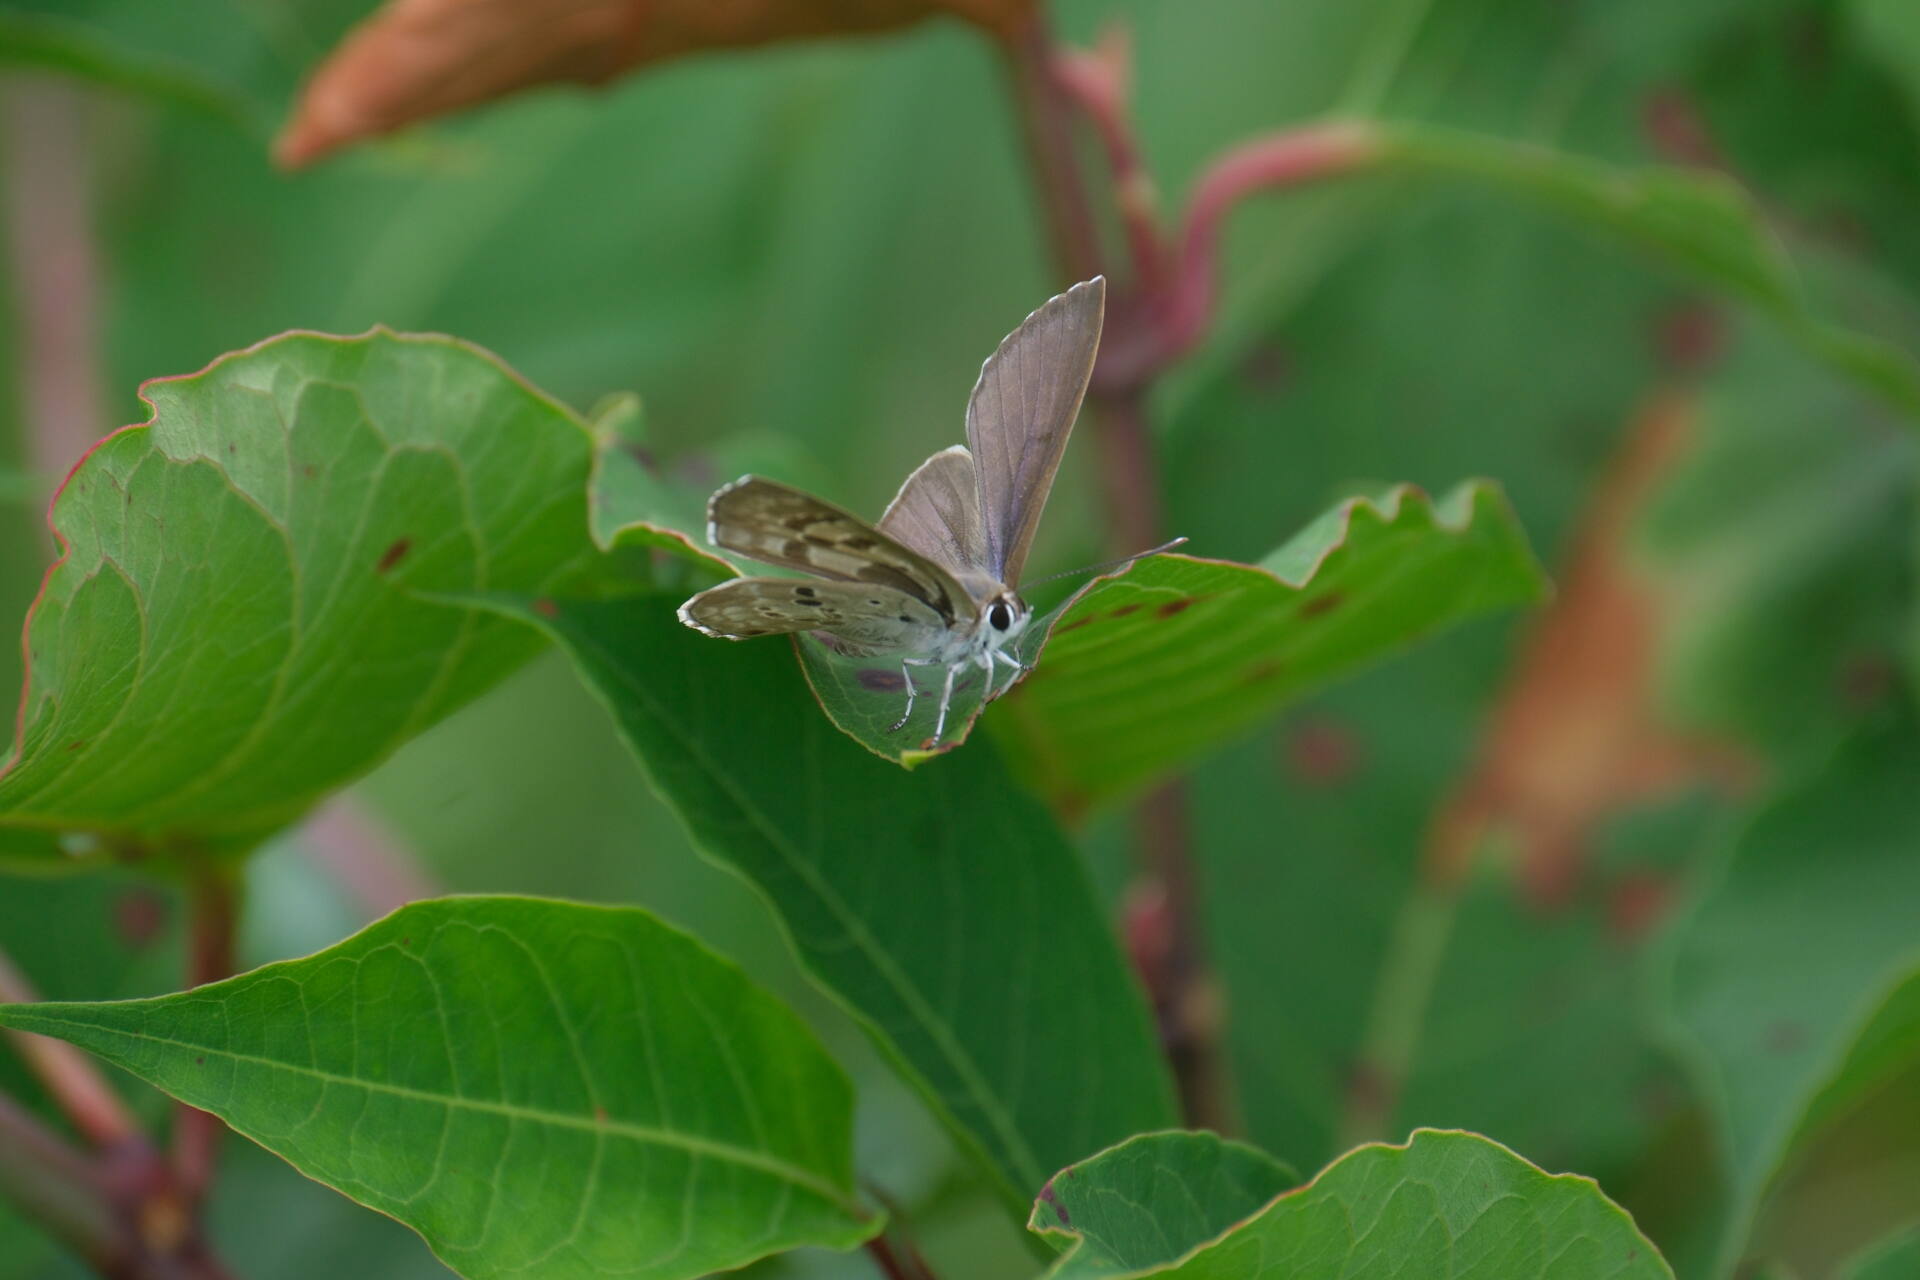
907, 674
1019, 669
946, 696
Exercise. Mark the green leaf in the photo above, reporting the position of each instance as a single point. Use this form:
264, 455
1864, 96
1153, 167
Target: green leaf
943, 908
1146, 670
46, 43
1780, 545
1704, 224
233, 629
627, 494
1144, 1204
1447, 1206
1783, 1035
538, 1088
1888, 31
21, 487
1896, 1258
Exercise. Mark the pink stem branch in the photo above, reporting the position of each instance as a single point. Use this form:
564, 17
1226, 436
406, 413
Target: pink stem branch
367, 859
1097, 83
69, 1076
57, 1187
213, 896
1283, 160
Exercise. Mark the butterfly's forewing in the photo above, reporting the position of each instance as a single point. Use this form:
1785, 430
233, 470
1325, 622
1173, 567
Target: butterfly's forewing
869, 618
937, 513
1022, 408
776, 524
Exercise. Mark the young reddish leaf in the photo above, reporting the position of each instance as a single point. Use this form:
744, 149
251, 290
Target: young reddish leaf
417, 59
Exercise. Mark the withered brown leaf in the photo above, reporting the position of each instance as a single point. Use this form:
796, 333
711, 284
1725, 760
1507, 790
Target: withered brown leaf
413, 60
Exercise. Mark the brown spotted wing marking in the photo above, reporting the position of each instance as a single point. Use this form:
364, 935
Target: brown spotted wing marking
1021, 411
868, 618
776, 524
937, 513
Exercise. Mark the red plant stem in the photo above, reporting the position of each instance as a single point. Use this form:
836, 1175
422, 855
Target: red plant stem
1129, 476
213, 900
892, 1266
1182, 986
365, 857
1288, 159
1175, 976
57, 1187
1048, 123
69, 1076
1097, 83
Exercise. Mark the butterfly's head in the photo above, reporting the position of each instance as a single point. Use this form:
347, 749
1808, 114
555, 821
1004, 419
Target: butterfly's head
1002, 620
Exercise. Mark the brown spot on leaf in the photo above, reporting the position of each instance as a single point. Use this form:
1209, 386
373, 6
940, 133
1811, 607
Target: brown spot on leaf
1263, 671
1672, 123
1322, 604
1322, 752
1074, 625
1867, 679
394, 554
1786, 1036
138, 916
1368, 1091
881, 680
309, 470
1048, 1194
200, 1062
1267, 366
1173, 607
76, 744
1124, 610
600, 1115
1635, 905
546, 608
1688, 337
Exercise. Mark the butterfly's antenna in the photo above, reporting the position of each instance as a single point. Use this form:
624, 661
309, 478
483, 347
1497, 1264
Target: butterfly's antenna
1111, 564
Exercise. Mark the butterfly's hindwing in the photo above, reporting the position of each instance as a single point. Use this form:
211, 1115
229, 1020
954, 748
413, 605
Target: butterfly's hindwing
937, 513
868, 619
776, 524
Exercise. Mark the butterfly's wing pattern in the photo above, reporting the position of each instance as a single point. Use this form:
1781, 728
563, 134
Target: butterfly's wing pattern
777, 524
932, 584
937, 513
1020, 413
868, 619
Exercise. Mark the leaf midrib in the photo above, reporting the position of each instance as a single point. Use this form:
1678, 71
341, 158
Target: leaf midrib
693, 1144
984, 1097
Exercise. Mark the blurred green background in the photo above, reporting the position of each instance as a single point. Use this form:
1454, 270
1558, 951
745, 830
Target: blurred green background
803, 253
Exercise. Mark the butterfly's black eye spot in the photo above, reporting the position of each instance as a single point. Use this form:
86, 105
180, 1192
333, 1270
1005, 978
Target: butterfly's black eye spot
999, 617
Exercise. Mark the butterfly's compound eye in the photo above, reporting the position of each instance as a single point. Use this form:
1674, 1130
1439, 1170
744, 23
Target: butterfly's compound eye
999, 617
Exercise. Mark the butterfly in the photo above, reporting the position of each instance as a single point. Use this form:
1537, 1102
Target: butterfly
935, 580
